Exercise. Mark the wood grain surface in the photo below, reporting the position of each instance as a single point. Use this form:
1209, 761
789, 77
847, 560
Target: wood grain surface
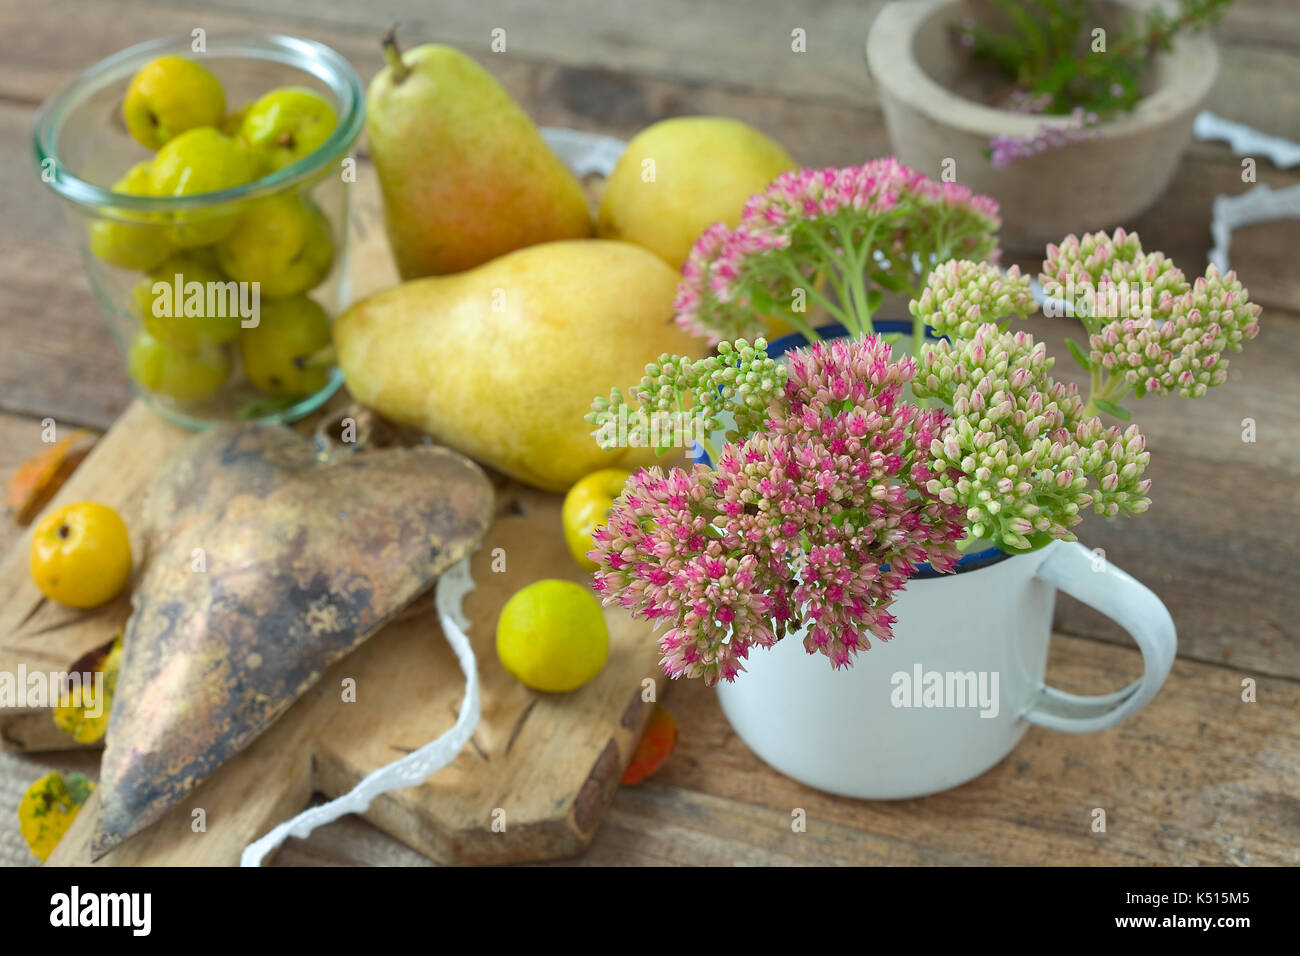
1196, 777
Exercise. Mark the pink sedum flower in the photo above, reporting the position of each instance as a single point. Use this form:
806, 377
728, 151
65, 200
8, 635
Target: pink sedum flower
814, 524
860, 230
1149, 330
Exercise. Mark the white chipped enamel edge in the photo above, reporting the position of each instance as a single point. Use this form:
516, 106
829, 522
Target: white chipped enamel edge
416, 766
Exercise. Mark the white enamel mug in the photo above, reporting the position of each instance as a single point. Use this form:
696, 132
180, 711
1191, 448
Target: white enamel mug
954, 690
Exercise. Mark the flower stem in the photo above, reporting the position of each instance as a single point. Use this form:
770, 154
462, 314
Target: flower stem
800, 281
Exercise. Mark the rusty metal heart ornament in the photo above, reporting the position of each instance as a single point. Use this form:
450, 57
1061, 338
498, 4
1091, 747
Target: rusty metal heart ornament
267, 561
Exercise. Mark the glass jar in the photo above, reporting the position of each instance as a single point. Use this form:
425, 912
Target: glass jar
160, 265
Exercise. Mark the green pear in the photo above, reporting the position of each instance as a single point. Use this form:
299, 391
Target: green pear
680, 176
502, 362
465, 174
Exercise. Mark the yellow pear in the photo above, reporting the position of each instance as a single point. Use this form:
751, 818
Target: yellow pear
680, 176
502, 362
465, 174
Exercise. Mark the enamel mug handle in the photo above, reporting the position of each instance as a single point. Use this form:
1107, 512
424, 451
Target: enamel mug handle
1129, 603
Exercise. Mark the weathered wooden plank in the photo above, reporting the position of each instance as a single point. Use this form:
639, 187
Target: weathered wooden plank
1197, 777
1196, 752
59, 359
738, 44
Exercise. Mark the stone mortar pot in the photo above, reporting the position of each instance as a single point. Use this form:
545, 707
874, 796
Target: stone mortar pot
1097, 183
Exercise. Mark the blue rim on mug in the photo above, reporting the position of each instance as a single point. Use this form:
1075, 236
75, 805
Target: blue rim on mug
972, 561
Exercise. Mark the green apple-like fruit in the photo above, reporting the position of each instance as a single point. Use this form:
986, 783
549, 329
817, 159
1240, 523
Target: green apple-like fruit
131, 245
196, 162
183, 375
230, 125
169, 96
204, 315
285, 125
291, 330
283, 243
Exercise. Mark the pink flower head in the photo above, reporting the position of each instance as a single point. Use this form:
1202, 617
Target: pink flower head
813, 524
877, 223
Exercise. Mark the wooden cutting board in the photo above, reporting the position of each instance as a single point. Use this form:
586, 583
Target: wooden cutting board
532, 784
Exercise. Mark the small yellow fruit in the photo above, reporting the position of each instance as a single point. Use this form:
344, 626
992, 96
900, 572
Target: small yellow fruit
289, 332
137, 244
586, 506
179, 374
169, 96
680, 176
552, 636
81, 555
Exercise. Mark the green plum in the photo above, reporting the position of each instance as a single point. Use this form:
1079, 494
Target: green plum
283, 243
207, 315
195, 162
130, 245
185, 376
291, 330
169, 96
285, 125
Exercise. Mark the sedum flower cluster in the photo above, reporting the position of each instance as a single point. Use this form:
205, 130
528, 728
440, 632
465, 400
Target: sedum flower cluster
1025, 454
856, 230
1020, 457
961, 295
833, 486
740, 380
814, 522
1149, 330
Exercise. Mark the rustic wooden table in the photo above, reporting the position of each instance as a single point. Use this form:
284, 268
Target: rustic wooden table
1198, 777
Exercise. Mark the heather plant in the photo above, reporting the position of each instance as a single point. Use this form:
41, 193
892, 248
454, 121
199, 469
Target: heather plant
1048, 49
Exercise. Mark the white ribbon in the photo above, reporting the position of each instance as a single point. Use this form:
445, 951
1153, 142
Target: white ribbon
1246, 140
1260, 204
416, 766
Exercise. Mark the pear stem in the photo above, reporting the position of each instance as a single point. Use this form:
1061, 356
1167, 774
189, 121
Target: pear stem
393, 54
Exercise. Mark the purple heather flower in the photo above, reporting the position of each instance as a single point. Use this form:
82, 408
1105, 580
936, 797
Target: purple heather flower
1080, 125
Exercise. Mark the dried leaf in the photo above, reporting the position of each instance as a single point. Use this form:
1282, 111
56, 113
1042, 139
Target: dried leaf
48, 808
39, 477
656, 745
85, 716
